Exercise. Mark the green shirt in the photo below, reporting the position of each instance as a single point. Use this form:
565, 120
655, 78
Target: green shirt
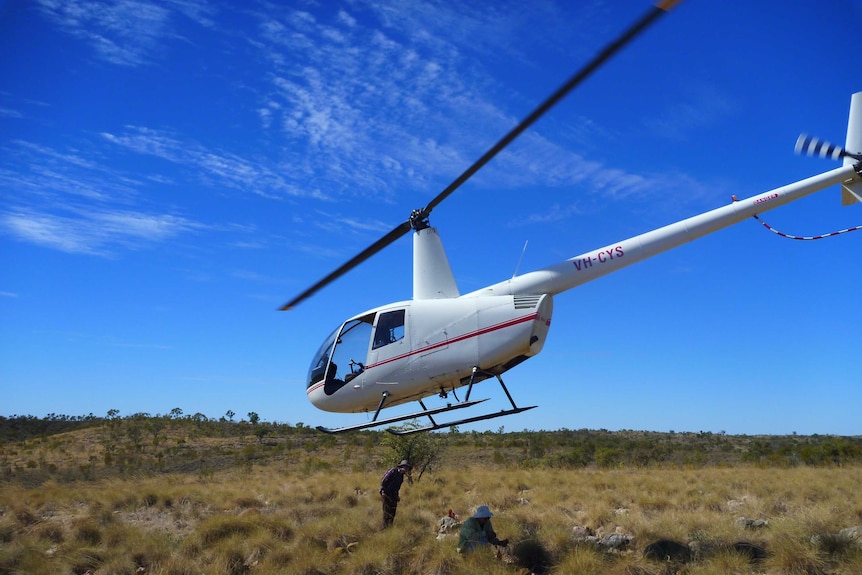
473, 534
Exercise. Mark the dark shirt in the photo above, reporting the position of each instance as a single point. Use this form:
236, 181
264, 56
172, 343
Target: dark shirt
390, 485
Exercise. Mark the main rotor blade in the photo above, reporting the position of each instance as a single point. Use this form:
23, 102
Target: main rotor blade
612, 48
395, 234
657, 10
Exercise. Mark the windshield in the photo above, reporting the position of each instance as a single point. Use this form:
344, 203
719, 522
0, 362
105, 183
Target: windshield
321, 358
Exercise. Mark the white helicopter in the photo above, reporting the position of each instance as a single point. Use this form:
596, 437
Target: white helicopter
442, 340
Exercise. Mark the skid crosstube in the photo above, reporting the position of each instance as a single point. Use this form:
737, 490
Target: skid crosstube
423, 413
462, 421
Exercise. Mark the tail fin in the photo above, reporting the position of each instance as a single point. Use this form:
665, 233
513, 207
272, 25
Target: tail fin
851, 192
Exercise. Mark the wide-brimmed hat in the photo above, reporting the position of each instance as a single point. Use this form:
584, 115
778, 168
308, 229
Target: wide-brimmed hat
482, 512
405, 463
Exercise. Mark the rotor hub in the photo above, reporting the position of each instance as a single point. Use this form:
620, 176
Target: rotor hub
419, 219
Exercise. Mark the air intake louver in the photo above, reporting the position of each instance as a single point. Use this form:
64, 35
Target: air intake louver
527, 301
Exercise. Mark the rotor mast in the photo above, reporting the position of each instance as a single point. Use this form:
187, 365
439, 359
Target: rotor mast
432, 274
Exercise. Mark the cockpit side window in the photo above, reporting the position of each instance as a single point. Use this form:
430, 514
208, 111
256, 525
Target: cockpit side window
390, 328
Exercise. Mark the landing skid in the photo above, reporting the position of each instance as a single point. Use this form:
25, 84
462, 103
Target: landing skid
461, 421
429, 412
423, 413
434, 425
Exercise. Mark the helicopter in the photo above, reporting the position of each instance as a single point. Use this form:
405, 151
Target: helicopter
441, 341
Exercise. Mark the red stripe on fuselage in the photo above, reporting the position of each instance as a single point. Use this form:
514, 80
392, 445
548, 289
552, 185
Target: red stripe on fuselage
425, 349
314, 387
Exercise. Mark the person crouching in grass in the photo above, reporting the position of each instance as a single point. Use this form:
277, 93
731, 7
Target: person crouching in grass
478, 532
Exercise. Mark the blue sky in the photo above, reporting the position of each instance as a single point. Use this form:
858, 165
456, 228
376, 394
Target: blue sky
173, 171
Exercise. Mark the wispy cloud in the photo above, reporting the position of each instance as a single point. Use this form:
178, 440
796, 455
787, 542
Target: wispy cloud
73, 201
219, 168
387, 98
123, 32
96, 233
696, 108
371, 100
9, 113
36, 172
77, 200
359, 225
382, 108
554, 213
113, 342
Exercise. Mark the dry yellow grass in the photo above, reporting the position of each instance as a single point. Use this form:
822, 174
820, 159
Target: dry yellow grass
279, 520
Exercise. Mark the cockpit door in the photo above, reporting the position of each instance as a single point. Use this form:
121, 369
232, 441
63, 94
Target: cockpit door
359, 342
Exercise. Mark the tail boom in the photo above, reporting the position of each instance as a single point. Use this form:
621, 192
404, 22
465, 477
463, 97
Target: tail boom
597, 263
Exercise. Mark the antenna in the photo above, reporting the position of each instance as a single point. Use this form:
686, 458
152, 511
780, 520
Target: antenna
520, 259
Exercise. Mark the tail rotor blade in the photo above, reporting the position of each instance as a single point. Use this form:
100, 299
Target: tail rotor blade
815, 147
811, 146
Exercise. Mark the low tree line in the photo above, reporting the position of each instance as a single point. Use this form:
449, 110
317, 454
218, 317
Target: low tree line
42, 448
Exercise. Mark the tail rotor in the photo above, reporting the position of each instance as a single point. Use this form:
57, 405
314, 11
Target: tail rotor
851, 190
810, 146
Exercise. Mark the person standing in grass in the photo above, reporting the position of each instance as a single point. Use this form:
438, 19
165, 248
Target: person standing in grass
390, 486
478, 532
